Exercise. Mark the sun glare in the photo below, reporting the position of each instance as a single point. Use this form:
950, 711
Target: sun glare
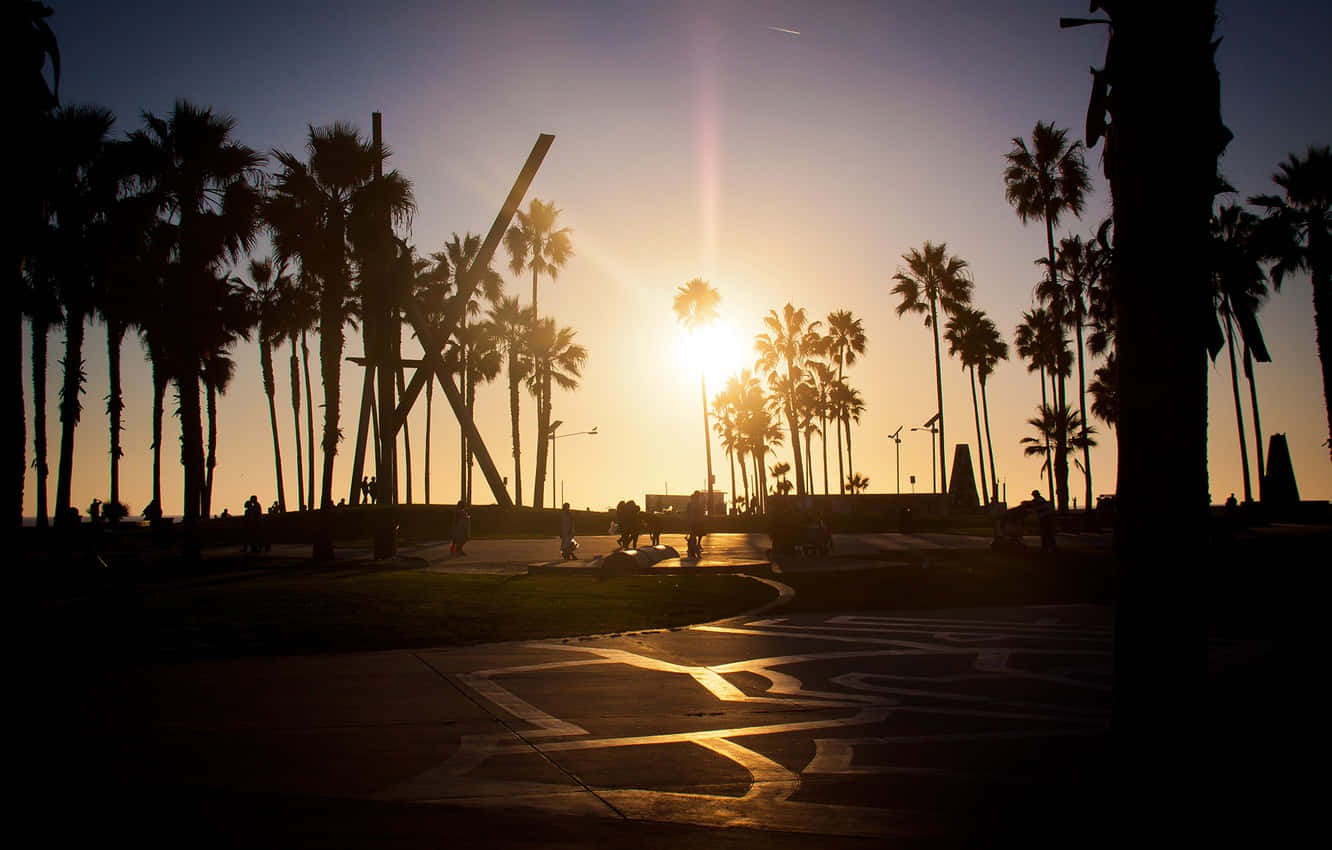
718, 350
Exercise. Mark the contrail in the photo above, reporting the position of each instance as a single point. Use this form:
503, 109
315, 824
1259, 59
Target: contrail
785, 30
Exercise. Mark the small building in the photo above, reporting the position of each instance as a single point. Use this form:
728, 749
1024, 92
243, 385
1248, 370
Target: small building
678, 504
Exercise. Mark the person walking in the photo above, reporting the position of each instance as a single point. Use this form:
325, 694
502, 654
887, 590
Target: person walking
695, 519
462, 526
1045, 518
567, 543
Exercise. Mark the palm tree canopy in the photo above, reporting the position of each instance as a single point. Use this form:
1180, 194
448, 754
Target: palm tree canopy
1238, 280
695, 304
535, 243
1301, 218
1048, 178
555, 355
846, 337
790, 338
931, 276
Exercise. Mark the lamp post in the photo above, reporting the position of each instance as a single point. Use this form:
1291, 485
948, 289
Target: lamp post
931, 426
553, 437
897, 438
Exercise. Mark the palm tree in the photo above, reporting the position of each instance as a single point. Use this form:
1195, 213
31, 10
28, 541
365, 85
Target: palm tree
1043, 182
1038, 341
1239, 289
312, 212
1077, 267
293, 311
202, 185
723, 422
216, 373
845, 340
536, 243
557, 361
31, 43
41, 303
778, 471
821, 378
1298, 233
266, 304
1104, 390
79, 196
458, 256
934, 282
1051, 424
964, 342
847, 405
695, 307
992, 349
857, 483
789, 341
508, 326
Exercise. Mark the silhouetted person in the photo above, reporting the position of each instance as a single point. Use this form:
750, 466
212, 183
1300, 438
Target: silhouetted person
365, 489
652, 521
254, 515
226, 514
696, 530
567, 543
462, 525
374, 490
152, 512
633, 516
1045, 519
95, 511
622, 523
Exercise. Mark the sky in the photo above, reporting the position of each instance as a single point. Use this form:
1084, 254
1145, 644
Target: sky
693, 140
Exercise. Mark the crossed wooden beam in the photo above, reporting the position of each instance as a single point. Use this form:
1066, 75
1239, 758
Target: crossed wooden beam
433, 340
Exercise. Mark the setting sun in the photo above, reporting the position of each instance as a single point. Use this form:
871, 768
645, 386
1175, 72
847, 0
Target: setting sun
718, 350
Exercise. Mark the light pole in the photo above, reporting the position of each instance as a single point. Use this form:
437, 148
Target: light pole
553, 437
896, 438
931, 426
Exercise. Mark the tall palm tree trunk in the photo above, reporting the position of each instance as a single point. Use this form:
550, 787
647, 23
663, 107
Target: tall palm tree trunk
1049, 451
513, 425
191, 441
938, 392
1082, 407
1320, 273
430, 403
406, 443
707, 439
850, 464
730, 455
159, 405
1061, 436
15, 325
330, 369
309, 423
206, 499
296, 417
989, 445
270, 390
762, 477
823, 442
115, 401
1239, 411
795, 434
40, 329
980, 451
462, 432
1257, 425
70, 407
543, 442
744, 479
809, 463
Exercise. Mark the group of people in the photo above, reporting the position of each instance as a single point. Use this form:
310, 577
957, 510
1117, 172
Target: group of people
255, 541
632, 522
369, 489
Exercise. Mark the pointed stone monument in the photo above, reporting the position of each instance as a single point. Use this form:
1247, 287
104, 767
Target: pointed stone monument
962, 494
1278, 488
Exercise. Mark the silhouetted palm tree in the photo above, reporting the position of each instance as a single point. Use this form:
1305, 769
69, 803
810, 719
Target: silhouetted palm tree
536, 243
1239, 289
857, 483
778, 471
845, 341
509, 326
30, 43
1052, 423
1038, 340
1104, 390
79, 195
312, 213
934, 282
458, 255
695, 307
557, 361
1077, 267
293, 312
1043, 182
964, 342
992, 349
202, 185
41, 303
1298, 233
847, 405
789, 341
266, 304
821, 378
723, 423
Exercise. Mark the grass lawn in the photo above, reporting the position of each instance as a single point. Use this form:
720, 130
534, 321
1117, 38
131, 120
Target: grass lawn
244, 609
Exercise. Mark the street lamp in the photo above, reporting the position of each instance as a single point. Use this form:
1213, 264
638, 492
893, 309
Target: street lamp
931, 427
554, 426
896, 438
